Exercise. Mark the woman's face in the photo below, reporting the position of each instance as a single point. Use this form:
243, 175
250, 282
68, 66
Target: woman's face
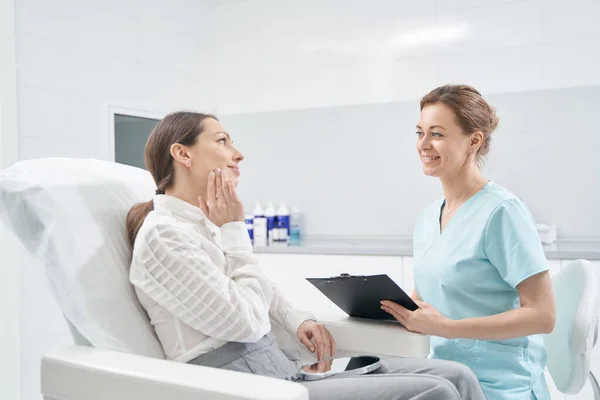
441, 143
214, 149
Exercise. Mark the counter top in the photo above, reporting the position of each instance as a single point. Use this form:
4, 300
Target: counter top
402, 246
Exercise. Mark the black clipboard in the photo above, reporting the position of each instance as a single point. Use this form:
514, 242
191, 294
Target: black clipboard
360, 295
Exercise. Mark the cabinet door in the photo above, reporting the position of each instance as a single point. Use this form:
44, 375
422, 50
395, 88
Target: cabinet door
555, 394
408, 274
554, 265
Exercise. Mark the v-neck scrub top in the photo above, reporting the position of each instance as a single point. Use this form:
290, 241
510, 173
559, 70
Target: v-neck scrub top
471, 270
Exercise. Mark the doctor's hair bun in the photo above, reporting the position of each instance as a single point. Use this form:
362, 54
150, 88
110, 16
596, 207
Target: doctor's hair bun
494, 120
472, 112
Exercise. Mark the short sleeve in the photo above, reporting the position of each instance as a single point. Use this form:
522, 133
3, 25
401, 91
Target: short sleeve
512, 243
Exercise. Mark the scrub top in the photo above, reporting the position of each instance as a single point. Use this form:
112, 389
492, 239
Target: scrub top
471, 270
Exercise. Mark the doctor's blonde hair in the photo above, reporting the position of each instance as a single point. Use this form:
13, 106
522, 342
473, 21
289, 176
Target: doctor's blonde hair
472, 112
178, 127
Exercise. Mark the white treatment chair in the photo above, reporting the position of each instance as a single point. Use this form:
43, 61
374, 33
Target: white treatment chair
569, 346
70, 215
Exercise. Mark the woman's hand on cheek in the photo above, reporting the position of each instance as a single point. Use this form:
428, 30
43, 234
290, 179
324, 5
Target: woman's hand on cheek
221, 204
426, 319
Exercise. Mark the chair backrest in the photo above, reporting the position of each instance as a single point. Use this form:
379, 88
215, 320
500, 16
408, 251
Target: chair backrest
70, 214
569, 346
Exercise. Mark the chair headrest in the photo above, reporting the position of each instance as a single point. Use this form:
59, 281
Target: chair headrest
569, 347
70, 214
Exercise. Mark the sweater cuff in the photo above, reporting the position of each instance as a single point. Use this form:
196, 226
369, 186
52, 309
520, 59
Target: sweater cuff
235, 238
295, 318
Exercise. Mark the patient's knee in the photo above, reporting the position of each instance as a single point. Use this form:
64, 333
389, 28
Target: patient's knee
461, 376
462, 371
439, 389
453, 371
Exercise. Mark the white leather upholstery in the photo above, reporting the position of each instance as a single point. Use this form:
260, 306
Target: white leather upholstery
80, 373
70, 214
569, 346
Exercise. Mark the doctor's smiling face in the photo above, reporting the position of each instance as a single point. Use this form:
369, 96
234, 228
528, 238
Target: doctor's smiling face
441, 143
454, 130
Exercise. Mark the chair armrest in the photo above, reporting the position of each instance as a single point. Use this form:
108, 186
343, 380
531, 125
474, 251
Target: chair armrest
77, 373
382, 338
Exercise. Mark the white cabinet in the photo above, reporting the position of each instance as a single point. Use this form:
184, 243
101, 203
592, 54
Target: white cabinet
554, 265
408, 273
555, 394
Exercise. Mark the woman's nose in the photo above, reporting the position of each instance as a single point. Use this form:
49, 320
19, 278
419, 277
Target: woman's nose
423, 143
237, 155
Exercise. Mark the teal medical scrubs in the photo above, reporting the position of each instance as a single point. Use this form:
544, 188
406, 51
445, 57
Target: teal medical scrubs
472, 270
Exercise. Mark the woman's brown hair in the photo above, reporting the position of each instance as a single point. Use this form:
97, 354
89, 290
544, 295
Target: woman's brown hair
472, 112
178, 127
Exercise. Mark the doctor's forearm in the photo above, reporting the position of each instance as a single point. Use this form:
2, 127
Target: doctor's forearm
511, 324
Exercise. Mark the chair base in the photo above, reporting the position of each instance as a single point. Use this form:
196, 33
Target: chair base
595, 386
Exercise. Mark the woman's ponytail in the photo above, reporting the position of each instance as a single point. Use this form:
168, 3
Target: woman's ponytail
136, 217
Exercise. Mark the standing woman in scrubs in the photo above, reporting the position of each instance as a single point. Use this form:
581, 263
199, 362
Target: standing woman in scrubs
481, 277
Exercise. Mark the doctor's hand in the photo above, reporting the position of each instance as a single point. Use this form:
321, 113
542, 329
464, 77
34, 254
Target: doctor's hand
310, 331
426, 319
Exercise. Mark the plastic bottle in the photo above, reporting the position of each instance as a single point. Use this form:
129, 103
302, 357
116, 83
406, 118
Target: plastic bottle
260, 226
249, 220
295, 227
272, 233
282, 217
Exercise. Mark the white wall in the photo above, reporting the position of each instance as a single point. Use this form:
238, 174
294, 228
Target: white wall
10, 372
8, 85
75, 60
274, 54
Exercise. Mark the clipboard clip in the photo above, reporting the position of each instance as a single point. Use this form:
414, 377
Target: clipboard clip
347, 275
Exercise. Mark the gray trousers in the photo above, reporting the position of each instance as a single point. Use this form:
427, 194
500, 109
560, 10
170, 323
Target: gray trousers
397, 379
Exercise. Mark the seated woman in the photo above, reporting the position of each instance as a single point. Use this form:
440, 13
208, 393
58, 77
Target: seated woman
481, 276
194, 272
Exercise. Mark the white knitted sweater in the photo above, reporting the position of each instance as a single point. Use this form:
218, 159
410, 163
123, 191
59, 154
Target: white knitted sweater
200, 285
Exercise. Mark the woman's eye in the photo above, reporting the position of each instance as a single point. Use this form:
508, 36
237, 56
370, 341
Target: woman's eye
419, 133
223, 140
436, 134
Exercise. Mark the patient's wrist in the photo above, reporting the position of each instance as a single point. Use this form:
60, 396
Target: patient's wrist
295, 318
235, 238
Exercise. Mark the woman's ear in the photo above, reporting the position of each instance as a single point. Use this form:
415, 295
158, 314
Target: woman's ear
180, 154
475, 142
